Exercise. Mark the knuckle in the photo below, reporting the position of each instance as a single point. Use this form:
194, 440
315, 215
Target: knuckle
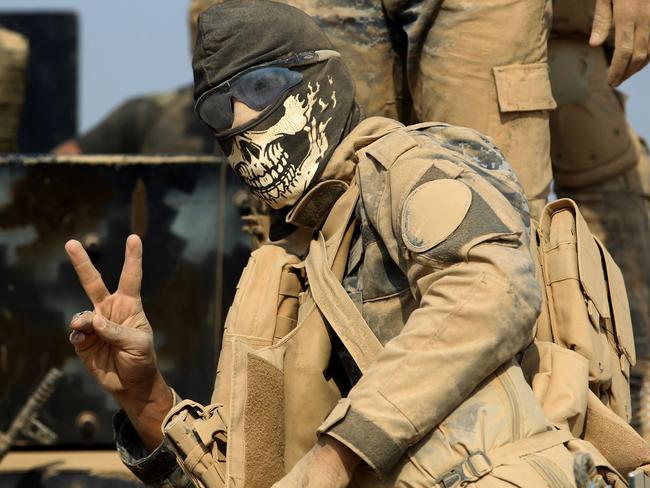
113, 331
600, 20
624, 51
639, 58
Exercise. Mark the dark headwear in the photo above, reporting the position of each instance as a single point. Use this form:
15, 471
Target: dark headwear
238, 34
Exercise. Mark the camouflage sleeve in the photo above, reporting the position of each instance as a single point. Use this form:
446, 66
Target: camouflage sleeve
158, 468
452, 216
123, 130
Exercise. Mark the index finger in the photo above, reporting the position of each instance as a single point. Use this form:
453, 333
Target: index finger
89, 277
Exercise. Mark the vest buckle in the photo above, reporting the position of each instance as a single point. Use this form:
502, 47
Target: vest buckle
471, 469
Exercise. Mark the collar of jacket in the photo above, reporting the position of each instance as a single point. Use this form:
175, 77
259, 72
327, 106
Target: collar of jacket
314, 206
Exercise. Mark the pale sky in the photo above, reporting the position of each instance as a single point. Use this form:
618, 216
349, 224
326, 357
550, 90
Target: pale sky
133, 47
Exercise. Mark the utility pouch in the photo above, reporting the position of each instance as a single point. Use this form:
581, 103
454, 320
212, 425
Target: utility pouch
587, 303
198, 437
579, 364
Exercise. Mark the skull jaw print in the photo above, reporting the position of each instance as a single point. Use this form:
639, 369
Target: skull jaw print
279, 163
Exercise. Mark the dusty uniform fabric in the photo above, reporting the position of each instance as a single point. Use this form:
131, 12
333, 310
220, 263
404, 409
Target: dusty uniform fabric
154, 124
13, 66
441, 271
600, 162
455, 61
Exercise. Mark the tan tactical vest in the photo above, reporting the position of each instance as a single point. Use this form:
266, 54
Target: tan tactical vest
271, 394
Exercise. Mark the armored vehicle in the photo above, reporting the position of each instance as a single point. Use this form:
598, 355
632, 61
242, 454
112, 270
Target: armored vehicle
194, 250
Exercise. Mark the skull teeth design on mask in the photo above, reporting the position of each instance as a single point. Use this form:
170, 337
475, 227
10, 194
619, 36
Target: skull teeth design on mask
272, 162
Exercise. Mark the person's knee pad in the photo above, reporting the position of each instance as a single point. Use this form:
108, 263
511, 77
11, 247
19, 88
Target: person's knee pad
590, 141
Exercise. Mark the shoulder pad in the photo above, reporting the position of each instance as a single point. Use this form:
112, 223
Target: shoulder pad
432, 212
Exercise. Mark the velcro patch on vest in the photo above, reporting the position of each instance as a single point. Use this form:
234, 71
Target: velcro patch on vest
432, 212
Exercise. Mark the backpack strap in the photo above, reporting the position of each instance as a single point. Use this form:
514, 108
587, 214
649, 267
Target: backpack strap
324, 274
338, 308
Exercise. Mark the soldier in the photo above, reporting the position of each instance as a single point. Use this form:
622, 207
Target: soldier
13, 66
428, 229
152, 124
454, 61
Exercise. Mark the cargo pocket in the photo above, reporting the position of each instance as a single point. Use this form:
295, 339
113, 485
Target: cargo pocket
523, 87
520, 129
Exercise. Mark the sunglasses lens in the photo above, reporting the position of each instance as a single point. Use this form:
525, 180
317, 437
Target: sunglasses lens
216, 111
258, 89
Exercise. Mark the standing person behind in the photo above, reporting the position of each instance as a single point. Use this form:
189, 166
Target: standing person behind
598, 159
429, 231
478, 64
152, 124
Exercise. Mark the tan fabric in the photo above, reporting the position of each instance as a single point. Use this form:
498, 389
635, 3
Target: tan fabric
598, 160
502, 408
338, 309
445, 202
559, 379
577, 271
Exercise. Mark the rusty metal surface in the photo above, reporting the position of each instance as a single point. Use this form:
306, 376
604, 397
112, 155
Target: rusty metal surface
182, 208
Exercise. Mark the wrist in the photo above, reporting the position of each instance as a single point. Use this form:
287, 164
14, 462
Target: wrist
144, 392
146, 409
334, 449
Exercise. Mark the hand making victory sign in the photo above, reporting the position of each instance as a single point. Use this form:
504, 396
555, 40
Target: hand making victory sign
115, 341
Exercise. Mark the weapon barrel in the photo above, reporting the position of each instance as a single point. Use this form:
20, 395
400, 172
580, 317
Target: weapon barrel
30, 409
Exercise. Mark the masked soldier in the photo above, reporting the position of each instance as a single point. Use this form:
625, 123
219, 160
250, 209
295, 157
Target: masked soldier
375, 339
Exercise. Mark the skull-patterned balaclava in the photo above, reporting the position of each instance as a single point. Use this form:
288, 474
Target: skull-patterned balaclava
283, 153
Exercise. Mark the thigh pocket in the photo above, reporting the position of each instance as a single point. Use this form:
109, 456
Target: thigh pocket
523, 87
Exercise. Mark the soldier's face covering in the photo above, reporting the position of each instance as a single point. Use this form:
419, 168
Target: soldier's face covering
282, 154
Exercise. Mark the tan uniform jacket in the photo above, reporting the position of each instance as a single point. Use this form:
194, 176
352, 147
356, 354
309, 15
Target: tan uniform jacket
446, 282
443, 276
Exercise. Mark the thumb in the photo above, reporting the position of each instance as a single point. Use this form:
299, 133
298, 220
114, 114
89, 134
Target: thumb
115, 334
602, 22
